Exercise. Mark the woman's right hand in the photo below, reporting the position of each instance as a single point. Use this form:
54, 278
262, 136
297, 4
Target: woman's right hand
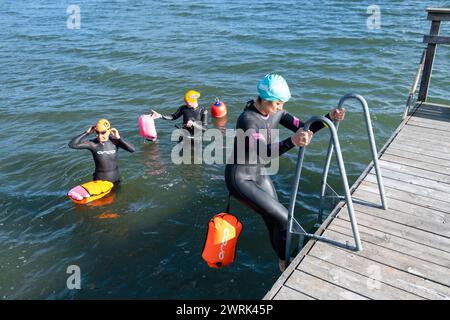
155, 115
302, 138
90, 129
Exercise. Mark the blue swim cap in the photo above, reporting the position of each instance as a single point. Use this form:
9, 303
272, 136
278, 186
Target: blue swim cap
273, 87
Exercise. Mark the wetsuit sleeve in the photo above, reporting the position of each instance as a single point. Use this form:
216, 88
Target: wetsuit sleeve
204, 122
123, 144
256, 142
175, 115
79, 143
261, 144
293, 123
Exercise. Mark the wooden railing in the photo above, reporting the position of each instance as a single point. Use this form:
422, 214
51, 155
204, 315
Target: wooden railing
436, 15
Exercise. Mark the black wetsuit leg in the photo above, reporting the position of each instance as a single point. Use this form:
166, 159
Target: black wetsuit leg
255, 190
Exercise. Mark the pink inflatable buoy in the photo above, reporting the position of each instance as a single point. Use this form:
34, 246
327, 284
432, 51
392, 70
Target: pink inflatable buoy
147, 127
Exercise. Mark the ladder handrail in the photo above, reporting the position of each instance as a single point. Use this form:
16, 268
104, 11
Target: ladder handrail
373, 149
292, 223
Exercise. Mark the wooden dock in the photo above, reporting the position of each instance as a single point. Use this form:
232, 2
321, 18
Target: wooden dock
406, 248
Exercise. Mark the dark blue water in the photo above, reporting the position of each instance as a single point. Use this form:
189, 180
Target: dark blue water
132, 56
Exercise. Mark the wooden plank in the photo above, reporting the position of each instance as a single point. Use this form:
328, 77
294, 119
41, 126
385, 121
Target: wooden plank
413, 162
427, 128
379, 271
414, 194
415, 199
420, 149
442, 124
410, 215
344, 278
431, 117
438, 10
417, 156
435, 189
413, 185
436, 39
421, 134
414, 132
434, 105
368, 192
432, 110
438, 17
430, 146
287, 293
414, 171
399, 229
320, 289
397, 259
395, 237
426, 140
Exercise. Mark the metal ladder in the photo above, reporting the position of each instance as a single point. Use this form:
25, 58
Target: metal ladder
373, 149
294, 226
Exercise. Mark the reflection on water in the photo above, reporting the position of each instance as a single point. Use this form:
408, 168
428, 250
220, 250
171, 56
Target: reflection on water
108, 215
106, 200
153, 166
220, 123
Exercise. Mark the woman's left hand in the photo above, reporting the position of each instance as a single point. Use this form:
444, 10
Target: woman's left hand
337, 114
115, 133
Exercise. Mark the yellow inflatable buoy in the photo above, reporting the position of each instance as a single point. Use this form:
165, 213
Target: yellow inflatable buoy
90, 191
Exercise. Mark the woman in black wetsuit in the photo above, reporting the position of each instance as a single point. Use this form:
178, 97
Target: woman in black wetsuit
194, 116
249, 182
104, 150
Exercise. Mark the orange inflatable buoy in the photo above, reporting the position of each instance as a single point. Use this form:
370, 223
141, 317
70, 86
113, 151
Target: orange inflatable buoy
221, 239
218, 109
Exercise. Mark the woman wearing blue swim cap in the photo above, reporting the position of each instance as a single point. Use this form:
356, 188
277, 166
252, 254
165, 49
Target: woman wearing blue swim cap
248, 181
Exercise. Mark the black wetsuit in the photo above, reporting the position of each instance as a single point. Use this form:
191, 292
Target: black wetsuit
248, 183
198, 114
105, 155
